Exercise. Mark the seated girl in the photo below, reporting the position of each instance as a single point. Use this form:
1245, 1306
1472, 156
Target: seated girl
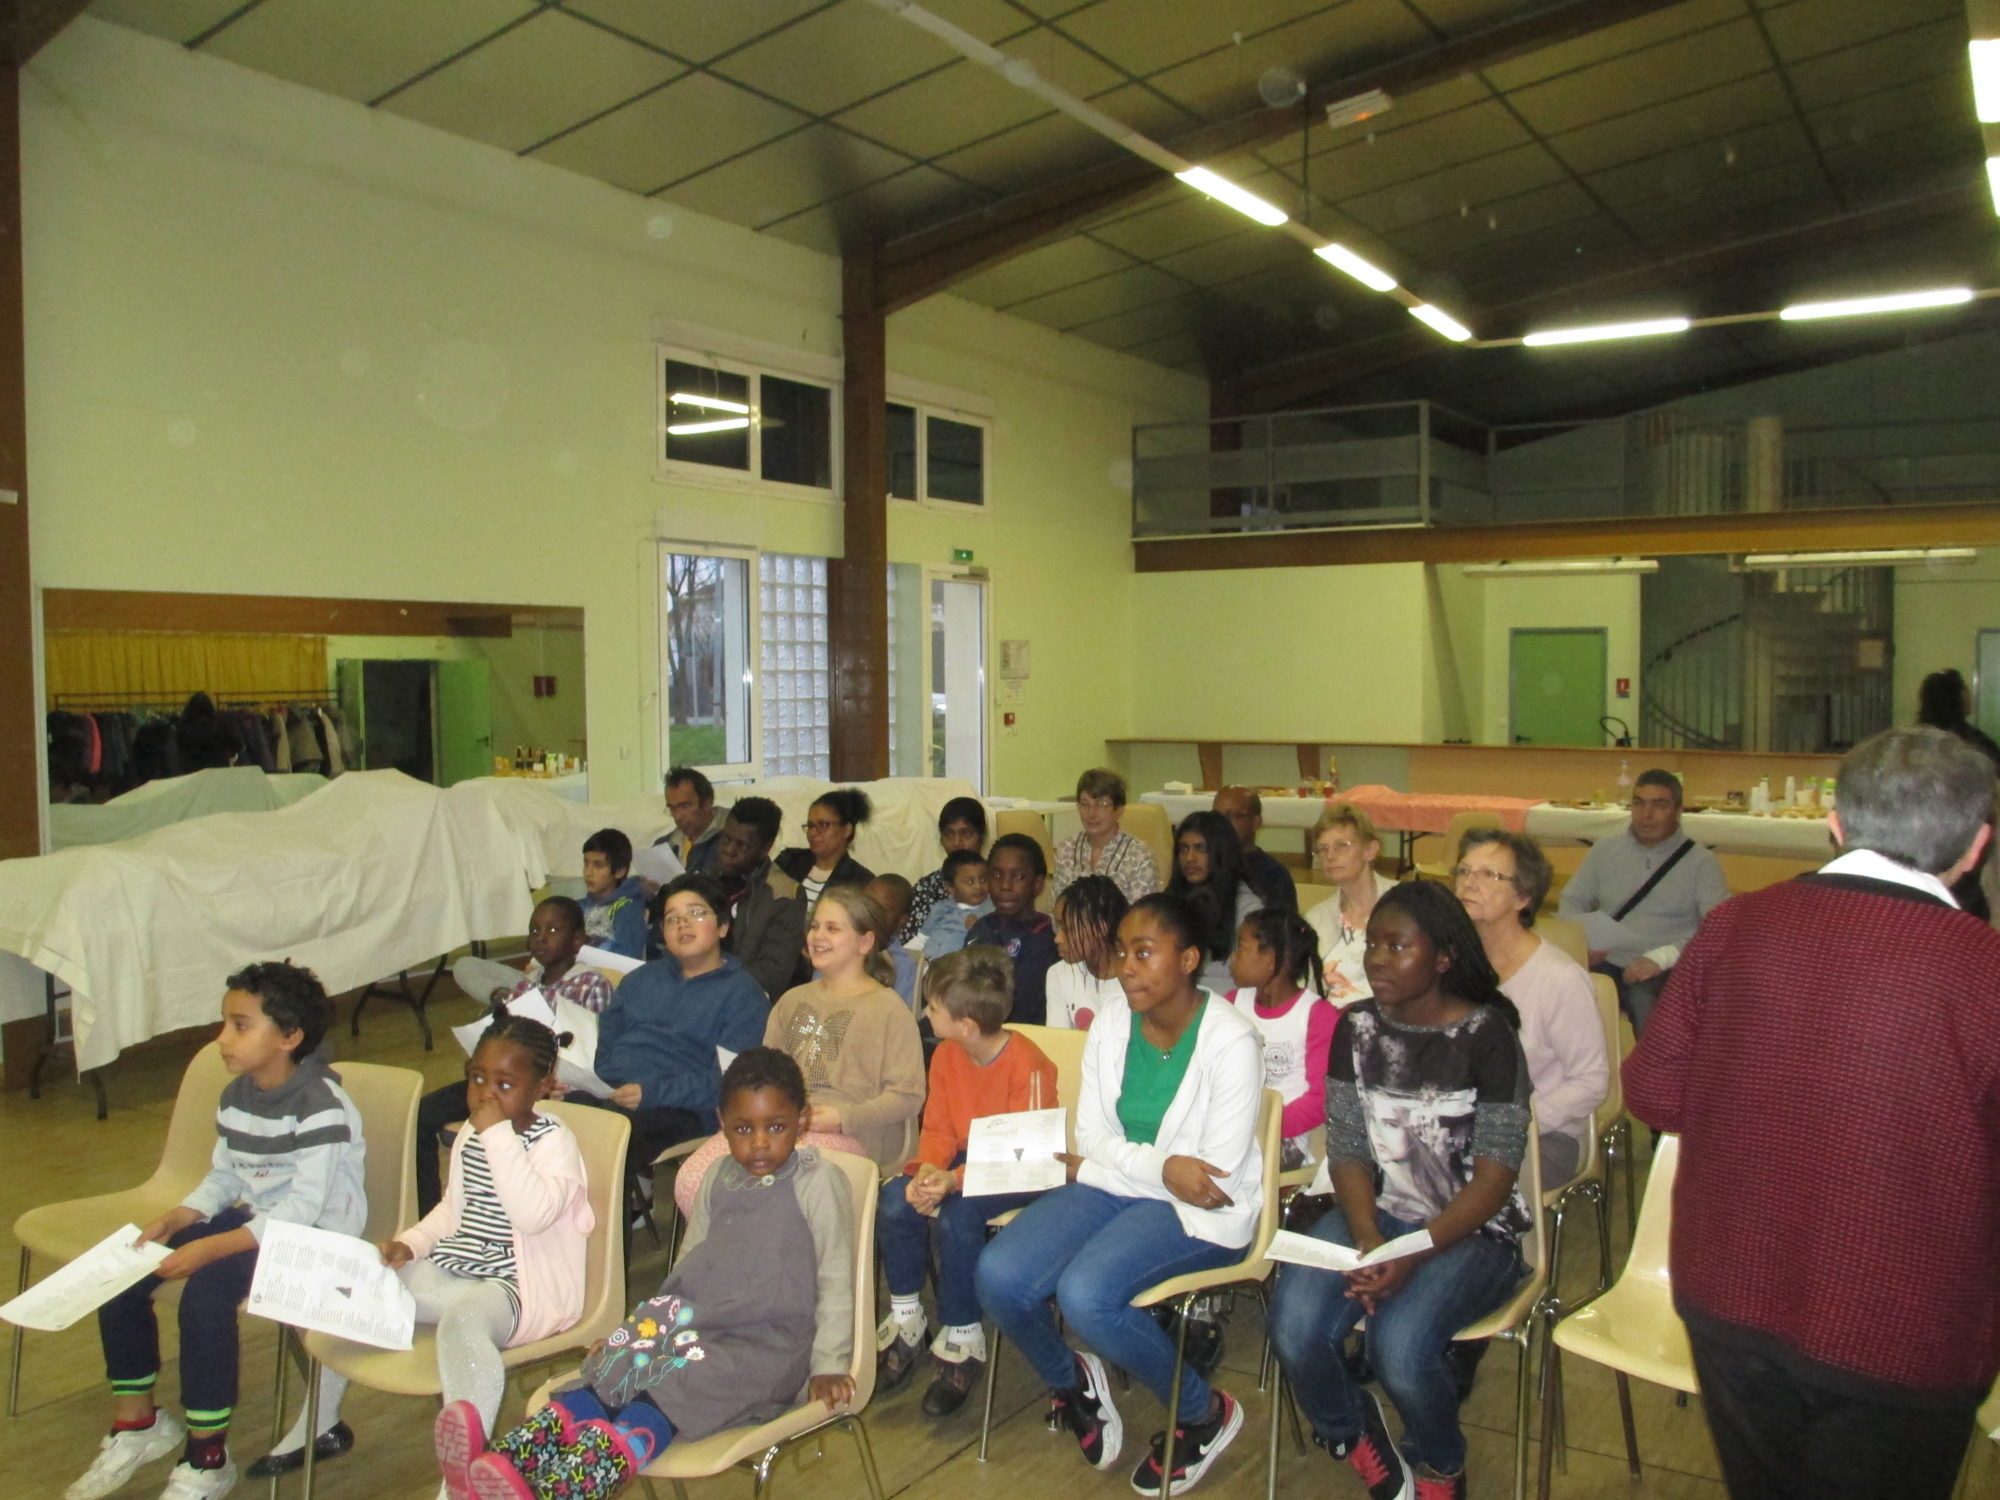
1167, 1179
1276, 968
500, 1260
852, 1035
1087, 916
1427, 1090
1208, 875
755, 1318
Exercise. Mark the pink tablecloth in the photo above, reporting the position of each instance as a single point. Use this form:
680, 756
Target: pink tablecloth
1432, 812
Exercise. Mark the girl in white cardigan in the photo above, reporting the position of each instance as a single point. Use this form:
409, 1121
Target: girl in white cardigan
1166, 1180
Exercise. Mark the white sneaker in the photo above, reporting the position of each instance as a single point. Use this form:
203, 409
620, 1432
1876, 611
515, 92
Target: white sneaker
123, 1454
189, 1483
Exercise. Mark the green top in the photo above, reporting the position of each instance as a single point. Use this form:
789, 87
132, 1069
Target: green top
1152, 1078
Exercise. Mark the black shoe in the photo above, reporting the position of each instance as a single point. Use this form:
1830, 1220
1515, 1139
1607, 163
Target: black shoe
1465, 1357
1087, 1411
335, 1441
1196, 1446
953, 1383
1373, 1456
897, 1361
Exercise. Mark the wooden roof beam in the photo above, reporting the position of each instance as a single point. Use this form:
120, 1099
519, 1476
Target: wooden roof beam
32, 24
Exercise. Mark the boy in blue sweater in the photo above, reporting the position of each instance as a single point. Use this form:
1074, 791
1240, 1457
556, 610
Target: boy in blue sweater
614, 901
656, 1043
288, 1148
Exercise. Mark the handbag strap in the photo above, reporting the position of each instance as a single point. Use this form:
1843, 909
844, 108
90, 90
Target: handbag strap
1652, 880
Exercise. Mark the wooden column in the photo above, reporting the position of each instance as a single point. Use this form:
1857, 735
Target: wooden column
857, 583
20, 710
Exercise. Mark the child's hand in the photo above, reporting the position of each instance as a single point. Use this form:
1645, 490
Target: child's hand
396, 1254
169, 1224
484, 1114
189, 1259
832, 1389
628, 1095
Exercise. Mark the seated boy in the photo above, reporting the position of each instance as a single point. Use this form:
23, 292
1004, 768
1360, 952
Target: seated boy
555, 933
1016, 871
950, 922
979, 1068
893, 892
288, 1148
614, 902
657, 1040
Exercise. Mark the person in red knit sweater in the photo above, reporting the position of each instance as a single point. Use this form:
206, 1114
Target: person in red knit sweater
1829, 1051
979, 1068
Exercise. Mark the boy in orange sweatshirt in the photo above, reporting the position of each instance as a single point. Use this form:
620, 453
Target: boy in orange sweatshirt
979, 1068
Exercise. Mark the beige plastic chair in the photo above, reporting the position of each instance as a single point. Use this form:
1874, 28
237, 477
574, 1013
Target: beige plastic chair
1633, 1328
1033, 824
1253, 1269
755, 1449
1614, 1139
1515, 1320
1064, 1047
1566, 935
1591, 1184
1460, 824
62, 1231
1985, 1425
1148, 823
601, 1136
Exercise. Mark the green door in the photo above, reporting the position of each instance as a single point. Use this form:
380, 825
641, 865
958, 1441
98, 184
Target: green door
1556, 687
464, 721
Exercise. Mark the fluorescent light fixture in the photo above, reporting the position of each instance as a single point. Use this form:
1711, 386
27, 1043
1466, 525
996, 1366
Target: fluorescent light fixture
1855, 307
713, 403
692, 429
1986, 80
1442, 321
1605, 331
1770, 562
1993, 180
1224, 191
1369, 276
1551, 567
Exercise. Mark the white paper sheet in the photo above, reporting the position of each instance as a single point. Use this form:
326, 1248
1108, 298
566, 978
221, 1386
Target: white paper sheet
332, 1283
1304, 1250
575, 1063
604, 958
657, 863
1015, 1153
86, 1283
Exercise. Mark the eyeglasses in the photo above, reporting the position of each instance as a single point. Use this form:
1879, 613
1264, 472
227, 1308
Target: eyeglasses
1339, 846
1101, 804
1467, 875
687, 916
823, 827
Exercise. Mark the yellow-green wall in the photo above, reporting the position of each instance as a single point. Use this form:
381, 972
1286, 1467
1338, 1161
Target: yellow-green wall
1940, 611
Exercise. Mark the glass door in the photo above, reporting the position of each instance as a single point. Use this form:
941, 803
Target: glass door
708, 629
957, 677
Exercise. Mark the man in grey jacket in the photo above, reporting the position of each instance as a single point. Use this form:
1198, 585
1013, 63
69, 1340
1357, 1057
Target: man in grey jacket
767, 931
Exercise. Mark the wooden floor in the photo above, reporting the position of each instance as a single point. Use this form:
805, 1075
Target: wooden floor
55, 1149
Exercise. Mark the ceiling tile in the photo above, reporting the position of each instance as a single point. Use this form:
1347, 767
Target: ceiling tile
1713, 114
1692, 170
1466, 189
815, 229
944, 111
1224, 260
989, 20
1637, 79
829, 60
1455, 17
1445, 240
1629, 37
1358, 166
1090, 300
1403, 113
1144, 36
671, 134
359, 49
1942, 101
1178, 351
1917, 53
176, 20
1029, 153
695, 29
791, 173
539, 78
1807, 28
1182, 219
1066, 262
912, 199
1142, 324
1334, 42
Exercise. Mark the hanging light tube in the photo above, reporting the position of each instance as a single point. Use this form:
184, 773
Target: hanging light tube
1771, 562
1859, 306
1442, 321
692, 429
1371, 276
1985, 56
1604, 331
713, 403
1222, 190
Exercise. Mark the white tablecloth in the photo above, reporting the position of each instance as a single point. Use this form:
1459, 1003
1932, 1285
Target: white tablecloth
1725, 833
175, 799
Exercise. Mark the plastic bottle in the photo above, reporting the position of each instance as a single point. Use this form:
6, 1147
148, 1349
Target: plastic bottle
1625, 781
1791, 791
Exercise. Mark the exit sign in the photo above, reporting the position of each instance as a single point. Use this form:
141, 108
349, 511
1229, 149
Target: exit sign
961, 554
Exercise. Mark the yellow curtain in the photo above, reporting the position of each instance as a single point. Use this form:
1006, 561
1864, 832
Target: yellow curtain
167, 666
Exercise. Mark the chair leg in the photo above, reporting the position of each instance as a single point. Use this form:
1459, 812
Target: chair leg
1631, 1431
1557, 1216
1271, 1454
1525, 1341
1631, 1189
992, 1377
14, 1359
857, 1430
312, 1423
1601, 1205
1174, 1398
278, 1401
1551, 1399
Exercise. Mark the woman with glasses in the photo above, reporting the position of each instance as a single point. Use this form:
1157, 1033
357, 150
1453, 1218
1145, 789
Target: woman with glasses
1103, 848
829, 828
1501, 880
1345, 848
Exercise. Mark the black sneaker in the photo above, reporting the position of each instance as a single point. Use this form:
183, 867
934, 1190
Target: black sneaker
1088, 1412
1373, 1456
1196, 1446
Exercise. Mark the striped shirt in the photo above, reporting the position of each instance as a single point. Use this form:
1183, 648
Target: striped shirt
293, 1152
482, 1247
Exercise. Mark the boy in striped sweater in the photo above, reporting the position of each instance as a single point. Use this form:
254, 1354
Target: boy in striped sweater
288, 1147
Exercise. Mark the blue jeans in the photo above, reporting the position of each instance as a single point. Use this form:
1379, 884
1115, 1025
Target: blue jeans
1311, 1314
1093, 1252
903, 1239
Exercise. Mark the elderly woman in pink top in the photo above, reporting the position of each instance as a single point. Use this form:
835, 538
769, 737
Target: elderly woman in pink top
1501, 880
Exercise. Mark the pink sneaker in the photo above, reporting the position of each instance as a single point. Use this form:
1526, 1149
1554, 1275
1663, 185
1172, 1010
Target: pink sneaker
492, 1476
459, 1437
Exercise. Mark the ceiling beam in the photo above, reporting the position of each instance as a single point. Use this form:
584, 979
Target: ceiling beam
32, 24
928, 261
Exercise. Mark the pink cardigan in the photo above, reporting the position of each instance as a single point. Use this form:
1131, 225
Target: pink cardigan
546, 1202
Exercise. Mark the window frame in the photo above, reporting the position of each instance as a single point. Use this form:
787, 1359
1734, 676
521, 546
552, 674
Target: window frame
731, 771
716, 477
925, 408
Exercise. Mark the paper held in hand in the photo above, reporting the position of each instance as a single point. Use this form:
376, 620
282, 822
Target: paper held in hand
1015, 1153
331, 1283
604, 958
575, 1063
86, 1283
1304, 1250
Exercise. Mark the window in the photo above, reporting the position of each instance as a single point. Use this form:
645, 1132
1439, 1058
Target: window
705, 618
724, 418
935, 456
794, 682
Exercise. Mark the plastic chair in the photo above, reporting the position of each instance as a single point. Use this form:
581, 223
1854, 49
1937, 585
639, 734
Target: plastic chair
63, 1231
1515, 1321
1148, 823
1566, 935
1633, 1327
1461, 823
756, 1448
1033, 824
1614, 1139
1063, 1047
1591, 1184
601, 1136
1181, 1291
